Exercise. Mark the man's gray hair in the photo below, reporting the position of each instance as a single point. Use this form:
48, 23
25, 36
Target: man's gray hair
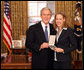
45, 8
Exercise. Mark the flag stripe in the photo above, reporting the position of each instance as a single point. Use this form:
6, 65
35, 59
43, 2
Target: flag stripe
5, 21
7, 28
9, 22
7, 33
9, 37
6, 43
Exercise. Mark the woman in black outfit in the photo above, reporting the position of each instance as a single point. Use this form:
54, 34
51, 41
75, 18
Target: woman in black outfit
65, 42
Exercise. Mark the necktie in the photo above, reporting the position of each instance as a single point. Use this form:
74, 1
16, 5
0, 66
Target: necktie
46, 33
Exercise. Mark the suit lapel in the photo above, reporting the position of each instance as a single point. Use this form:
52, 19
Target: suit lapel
62, 35
41, 32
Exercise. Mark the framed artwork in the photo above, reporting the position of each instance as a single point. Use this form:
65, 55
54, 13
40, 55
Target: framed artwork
23, 38
16, 44
3, 55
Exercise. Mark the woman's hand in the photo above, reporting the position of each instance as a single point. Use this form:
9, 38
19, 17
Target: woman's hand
59, 50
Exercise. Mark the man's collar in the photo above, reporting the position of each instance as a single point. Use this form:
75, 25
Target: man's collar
44, 23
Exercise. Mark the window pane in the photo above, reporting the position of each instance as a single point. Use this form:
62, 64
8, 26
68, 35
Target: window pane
40, 6
51, 5
42, 1
37, 1
51, 20
33, 20
32, 9
32, 1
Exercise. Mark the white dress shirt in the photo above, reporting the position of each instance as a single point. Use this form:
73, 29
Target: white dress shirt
57, 37
48, 28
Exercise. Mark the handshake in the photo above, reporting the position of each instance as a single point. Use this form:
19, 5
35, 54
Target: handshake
46, 45
57, 49
54, 48
51, 45
51, 42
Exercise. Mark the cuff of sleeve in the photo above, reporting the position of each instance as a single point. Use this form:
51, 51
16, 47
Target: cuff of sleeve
40, 49
63, 52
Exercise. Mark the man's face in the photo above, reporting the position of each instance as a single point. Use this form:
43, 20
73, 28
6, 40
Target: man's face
46, 16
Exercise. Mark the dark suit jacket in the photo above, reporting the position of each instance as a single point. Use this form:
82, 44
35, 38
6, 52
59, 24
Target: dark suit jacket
67, 42
34, 38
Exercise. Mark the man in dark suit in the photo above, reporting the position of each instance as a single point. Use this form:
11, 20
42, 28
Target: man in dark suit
37, 37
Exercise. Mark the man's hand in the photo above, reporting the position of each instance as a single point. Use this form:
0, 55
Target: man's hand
44, 45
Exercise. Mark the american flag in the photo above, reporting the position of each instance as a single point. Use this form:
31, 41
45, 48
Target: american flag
7, 33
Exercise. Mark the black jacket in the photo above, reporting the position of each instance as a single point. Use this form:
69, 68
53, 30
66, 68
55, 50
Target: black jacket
67, 42
34, 38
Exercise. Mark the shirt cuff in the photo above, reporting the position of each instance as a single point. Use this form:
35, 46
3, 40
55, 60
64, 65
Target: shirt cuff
63, 52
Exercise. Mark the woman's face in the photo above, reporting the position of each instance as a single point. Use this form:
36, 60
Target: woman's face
59, 20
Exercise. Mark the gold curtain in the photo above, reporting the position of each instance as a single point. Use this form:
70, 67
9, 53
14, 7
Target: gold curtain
19, 20
68, 8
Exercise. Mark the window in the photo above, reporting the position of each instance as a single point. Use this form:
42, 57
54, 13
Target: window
34, 8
